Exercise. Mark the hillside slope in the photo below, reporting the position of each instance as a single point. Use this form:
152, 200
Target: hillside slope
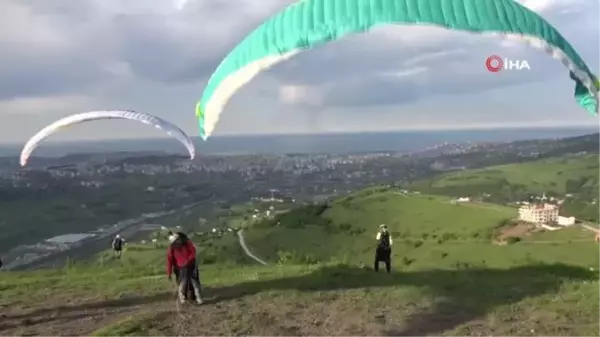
448, 279
345, 230
576, 175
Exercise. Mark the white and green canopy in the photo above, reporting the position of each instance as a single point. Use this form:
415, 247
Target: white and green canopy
309, 23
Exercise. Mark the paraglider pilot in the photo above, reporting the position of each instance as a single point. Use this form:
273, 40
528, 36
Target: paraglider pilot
117, 245
181, 254
383, 252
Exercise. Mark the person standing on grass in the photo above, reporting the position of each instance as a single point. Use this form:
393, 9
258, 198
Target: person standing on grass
181, 254
117, 245
190, 294
383, 252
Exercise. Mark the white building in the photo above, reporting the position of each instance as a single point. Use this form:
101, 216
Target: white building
566, 221
539, 214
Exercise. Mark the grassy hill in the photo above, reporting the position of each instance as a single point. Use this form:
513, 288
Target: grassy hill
449, 278
345, 229
568, 174
573, 174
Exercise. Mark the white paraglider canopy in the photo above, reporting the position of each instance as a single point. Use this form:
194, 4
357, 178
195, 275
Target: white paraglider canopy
159, 123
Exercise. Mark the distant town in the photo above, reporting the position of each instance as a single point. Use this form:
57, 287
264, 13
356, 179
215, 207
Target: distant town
56, 204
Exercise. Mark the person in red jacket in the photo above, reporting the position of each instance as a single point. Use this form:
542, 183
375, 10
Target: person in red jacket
181, 254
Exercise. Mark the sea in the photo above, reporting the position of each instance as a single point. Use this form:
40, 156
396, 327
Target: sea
338, 143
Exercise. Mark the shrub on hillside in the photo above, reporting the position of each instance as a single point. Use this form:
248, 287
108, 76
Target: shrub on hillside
300, 217
207, 259
449, 236
513, 239
407, 261
357, 231
504, 223
345, 227
293, 257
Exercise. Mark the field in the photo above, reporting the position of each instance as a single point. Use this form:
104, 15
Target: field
559, 175
448, 278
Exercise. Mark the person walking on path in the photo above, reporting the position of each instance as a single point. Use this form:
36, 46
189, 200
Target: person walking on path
383, 252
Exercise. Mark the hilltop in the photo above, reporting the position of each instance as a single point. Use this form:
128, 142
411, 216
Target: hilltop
449, 278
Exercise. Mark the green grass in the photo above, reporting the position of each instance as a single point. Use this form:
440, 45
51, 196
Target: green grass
448, 279
548, 175
539, 176
573, 174
346, 231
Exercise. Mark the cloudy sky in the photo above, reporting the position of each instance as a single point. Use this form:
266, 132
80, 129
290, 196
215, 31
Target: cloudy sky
63, 56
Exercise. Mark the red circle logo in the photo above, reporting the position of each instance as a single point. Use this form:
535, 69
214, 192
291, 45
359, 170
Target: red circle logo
494, 63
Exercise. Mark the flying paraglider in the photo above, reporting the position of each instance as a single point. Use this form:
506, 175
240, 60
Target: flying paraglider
159, 123
309, 23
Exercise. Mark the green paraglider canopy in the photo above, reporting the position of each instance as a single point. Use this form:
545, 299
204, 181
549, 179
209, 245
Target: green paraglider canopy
309, 23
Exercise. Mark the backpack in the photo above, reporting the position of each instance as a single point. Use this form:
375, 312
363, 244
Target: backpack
384, 240
117, 243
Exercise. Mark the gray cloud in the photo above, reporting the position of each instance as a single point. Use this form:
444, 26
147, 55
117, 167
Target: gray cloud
62, 56
352, 76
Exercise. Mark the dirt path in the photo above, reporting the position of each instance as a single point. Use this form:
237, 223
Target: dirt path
246, 249
76, 317
595, 230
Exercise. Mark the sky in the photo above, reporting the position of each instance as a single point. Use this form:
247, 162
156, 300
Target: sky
62, 57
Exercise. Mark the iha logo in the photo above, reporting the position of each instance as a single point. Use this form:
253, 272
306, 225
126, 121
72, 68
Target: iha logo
495, 63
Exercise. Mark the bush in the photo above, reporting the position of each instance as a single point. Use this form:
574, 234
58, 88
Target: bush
300, 218
407, 261
513, 239
208, 259
346, 227
418, 244
449, 236
293, 257
357, 231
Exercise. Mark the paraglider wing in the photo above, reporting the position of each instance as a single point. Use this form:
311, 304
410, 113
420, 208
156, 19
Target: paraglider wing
309, 23
159, 123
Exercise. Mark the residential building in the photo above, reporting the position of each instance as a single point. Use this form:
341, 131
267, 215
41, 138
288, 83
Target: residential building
566, 221
539, 213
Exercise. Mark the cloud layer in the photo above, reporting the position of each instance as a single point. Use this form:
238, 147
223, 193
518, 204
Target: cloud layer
65, 56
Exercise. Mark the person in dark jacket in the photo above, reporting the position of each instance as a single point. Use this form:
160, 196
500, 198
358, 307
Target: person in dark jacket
383, 252
181, 255
117, 245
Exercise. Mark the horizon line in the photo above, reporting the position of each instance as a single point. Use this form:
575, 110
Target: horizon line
423, 128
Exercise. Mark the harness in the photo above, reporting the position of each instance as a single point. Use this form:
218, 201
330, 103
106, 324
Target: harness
384, 240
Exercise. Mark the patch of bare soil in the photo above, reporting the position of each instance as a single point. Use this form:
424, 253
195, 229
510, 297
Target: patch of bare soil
75, 317
223, 313
519, 230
